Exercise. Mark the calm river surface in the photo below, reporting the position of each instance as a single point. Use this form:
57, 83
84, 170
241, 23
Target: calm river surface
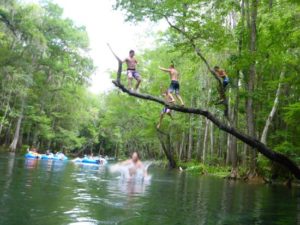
46, 193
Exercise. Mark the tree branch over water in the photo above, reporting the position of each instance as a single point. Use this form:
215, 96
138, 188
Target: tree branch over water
251, 141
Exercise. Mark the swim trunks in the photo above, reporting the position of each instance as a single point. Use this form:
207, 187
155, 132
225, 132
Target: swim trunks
174, 87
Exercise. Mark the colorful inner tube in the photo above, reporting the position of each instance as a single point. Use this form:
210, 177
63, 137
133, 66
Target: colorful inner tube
31, 156
54, 157
91, 161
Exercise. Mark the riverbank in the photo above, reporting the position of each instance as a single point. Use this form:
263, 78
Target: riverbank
225, 172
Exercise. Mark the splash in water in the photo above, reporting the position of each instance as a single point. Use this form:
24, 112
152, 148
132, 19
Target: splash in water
128, 172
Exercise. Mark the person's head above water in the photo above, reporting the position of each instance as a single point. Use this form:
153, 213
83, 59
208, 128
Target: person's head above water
135, 156
131, 53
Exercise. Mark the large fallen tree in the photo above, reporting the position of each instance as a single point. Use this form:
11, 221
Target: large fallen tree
251, 141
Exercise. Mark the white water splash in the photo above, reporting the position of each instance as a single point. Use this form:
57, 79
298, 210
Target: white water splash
124, 171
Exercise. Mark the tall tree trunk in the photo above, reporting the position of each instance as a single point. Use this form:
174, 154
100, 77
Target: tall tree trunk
211, 140
20, 142
198, 145
234, 109
181, 146
251, 83
269, 120
35, 137
165, 141
190, 138
228, 150
229, 139
233, 141
28, 135
7, 134
4, 117
14, 143
204, 150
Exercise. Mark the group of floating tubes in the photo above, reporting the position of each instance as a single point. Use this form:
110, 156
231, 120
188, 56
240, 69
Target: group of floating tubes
92, 160
51, 156
62, 157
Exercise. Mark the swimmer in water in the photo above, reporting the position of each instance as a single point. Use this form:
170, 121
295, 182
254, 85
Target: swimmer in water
135, 165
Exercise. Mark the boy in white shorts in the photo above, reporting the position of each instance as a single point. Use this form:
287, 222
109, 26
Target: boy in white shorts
131, 70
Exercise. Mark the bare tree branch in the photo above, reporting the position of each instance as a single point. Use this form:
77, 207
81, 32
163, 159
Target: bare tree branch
119, 63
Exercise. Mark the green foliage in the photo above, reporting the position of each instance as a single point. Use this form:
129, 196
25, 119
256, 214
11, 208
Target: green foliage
222, 34
45, 74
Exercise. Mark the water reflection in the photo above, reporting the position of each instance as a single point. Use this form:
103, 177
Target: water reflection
31, 163
54, 193
124, 183
128, 187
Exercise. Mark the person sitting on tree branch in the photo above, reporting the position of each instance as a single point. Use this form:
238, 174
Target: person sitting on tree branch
165, 110
131, 70
174, 86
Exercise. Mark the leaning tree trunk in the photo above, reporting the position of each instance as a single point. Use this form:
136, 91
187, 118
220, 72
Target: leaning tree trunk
165, 141
269, 120
249, 140
13, 145
4, 117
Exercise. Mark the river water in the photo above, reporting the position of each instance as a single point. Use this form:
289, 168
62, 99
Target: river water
45, 193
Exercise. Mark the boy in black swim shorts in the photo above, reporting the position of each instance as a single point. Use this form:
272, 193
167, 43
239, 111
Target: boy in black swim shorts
174, 86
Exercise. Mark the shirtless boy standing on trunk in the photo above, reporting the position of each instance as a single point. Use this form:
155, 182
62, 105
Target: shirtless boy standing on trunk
131, 70
174, 86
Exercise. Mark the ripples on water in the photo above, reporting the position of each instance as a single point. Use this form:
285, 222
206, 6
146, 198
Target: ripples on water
43, 192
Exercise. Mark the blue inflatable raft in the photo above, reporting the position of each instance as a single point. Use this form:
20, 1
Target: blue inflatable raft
31, 156
91, 161
61, 157
95, 161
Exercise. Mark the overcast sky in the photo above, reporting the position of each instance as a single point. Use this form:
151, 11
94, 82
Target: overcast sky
105, 25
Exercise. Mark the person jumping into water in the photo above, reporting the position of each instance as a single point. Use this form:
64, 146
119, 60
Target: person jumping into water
131, 70
165, 110
134, 165
174, 86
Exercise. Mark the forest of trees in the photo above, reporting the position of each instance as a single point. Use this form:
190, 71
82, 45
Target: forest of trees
45, 72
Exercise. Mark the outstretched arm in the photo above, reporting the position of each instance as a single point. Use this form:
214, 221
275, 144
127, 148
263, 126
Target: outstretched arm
164, 69
124, 61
